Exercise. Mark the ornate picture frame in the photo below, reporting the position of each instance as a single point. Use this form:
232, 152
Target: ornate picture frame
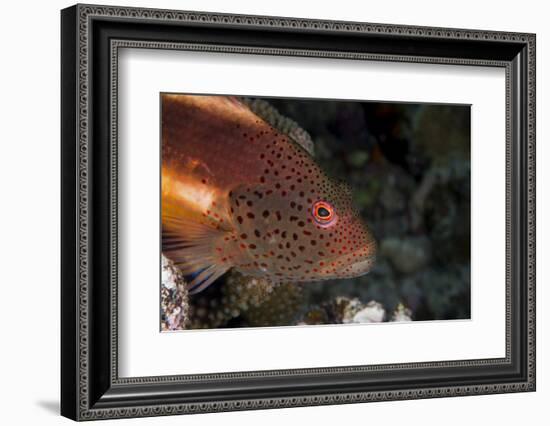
91, 39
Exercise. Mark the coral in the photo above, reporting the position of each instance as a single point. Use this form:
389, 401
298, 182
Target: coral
174, 298
401, 314
236, 295
283, 307
372, 312
284, 124
345, 310
247, 301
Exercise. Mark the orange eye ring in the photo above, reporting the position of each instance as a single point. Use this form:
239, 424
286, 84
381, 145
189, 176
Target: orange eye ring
323, 213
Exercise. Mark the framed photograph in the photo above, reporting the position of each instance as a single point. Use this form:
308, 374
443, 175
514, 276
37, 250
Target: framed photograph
263, 212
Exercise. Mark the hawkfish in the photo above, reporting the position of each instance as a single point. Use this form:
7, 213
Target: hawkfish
239, 193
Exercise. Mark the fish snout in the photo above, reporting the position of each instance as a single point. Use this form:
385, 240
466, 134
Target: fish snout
363, 259
362, 267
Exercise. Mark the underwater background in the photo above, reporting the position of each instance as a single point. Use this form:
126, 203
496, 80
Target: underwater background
409, 167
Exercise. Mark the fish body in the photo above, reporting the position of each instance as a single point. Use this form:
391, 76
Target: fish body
238, 193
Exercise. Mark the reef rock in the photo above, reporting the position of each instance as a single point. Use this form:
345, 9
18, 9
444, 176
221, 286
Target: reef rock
401, 314
372, 312
174, 298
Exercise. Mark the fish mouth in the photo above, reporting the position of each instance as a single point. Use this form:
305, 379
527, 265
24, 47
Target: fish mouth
351, 269
361, 267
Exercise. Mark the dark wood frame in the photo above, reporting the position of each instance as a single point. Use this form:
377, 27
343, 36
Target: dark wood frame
90, 386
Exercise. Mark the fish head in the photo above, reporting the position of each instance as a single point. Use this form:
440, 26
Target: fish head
302, 230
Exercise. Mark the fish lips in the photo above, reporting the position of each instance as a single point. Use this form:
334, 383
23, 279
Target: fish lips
352, 269
361, 267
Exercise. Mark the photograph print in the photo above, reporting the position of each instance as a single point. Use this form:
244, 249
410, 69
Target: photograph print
304, 212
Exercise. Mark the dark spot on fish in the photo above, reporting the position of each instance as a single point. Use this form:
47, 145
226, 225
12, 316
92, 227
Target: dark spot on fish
265, 213
295, 237
244, 236
301, 223
252, 246
250, 215
257, 233
249, 203
301, 248
293, 218
240, 219
278, 214
313, 242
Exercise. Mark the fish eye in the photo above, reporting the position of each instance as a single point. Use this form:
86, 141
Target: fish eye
323, 213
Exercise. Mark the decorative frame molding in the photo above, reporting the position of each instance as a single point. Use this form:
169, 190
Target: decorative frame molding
91, 388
